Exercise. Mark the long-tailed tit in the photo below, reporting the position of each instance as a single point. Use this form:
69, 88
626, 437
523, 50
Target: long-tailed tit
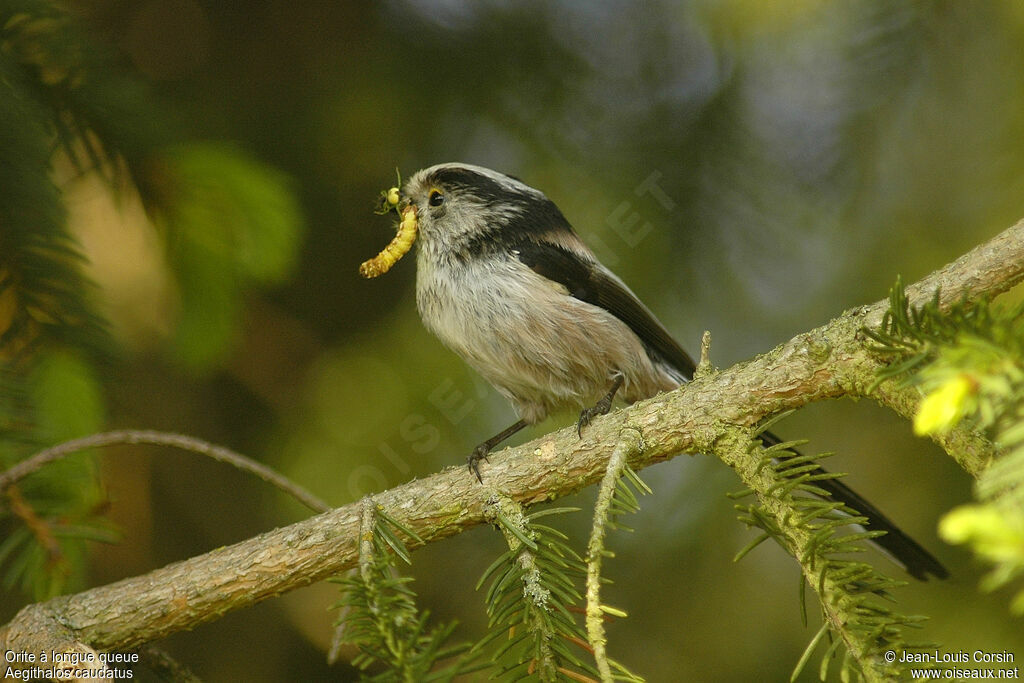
504, 281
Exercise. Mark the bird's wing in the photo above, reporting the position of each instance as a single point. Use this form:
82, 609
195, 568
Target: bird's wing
589, 281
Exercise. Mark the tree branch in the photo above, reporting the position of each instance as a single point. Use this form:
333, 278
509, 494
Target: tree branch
829, 362
144, 436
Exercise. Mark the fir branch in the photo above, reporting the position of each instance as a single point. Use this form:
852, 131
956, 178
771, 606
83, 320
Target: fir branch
968, 361
532, 591
379, 614
613, 498
47, 297
50, 518
808, 528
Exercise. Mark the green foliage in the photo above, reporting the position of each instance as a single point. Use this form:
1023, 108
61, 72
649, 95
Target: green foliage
814, 528
66, 395
43, 294
532, 591
969, 364
48, 520
232, 223
531, 601
52, 340
98, 112
624, 500
379, 613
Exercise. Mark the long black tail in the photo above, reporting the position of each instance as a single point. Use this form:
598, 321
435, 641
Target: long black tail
904, 550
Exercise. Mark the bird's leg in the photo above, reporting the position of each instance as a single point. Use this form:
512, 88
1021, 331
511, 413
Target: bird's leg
480, 452
601, 407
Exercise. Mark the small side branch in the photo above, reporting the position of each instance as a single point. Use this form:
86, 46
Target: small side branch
807, 528
187, 443
630, 445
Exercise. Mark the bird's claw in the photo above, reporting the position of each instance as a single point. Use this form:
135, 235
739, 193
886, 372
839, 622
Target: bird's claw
479, 453
602, 407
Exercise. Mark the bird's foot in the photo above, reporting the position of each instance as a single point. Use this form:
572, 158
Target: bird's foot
602, 407
479, 453
587, 414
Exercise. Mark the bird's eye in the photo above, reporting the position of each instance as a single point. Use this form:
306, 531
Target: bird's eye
436, 198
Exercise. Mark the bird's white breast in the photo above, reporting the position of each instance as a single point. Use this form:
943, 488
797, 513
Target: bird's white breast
526, 335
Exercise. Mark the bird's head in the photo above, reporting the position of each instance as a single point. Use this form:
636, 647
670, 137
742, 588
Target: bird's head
466, 209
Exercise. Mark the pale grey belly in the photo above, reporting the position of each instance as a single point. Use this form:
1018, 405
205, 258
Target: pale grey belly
540, 347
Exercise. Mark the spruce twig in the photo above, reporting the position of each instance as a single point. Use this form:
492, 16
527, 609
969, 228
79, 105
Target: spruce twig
630, 443
532, 595
808, 529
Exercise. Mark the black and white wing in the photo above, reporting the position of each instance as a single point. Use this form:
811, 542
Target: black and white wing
587, 280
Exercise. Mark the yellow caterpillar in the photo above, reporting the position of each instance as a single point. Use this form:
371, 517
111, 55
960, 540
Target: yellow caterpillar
399, 246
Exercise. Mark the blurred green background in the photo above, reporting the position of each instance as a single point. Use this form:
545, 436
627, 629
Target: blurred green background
808, 152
